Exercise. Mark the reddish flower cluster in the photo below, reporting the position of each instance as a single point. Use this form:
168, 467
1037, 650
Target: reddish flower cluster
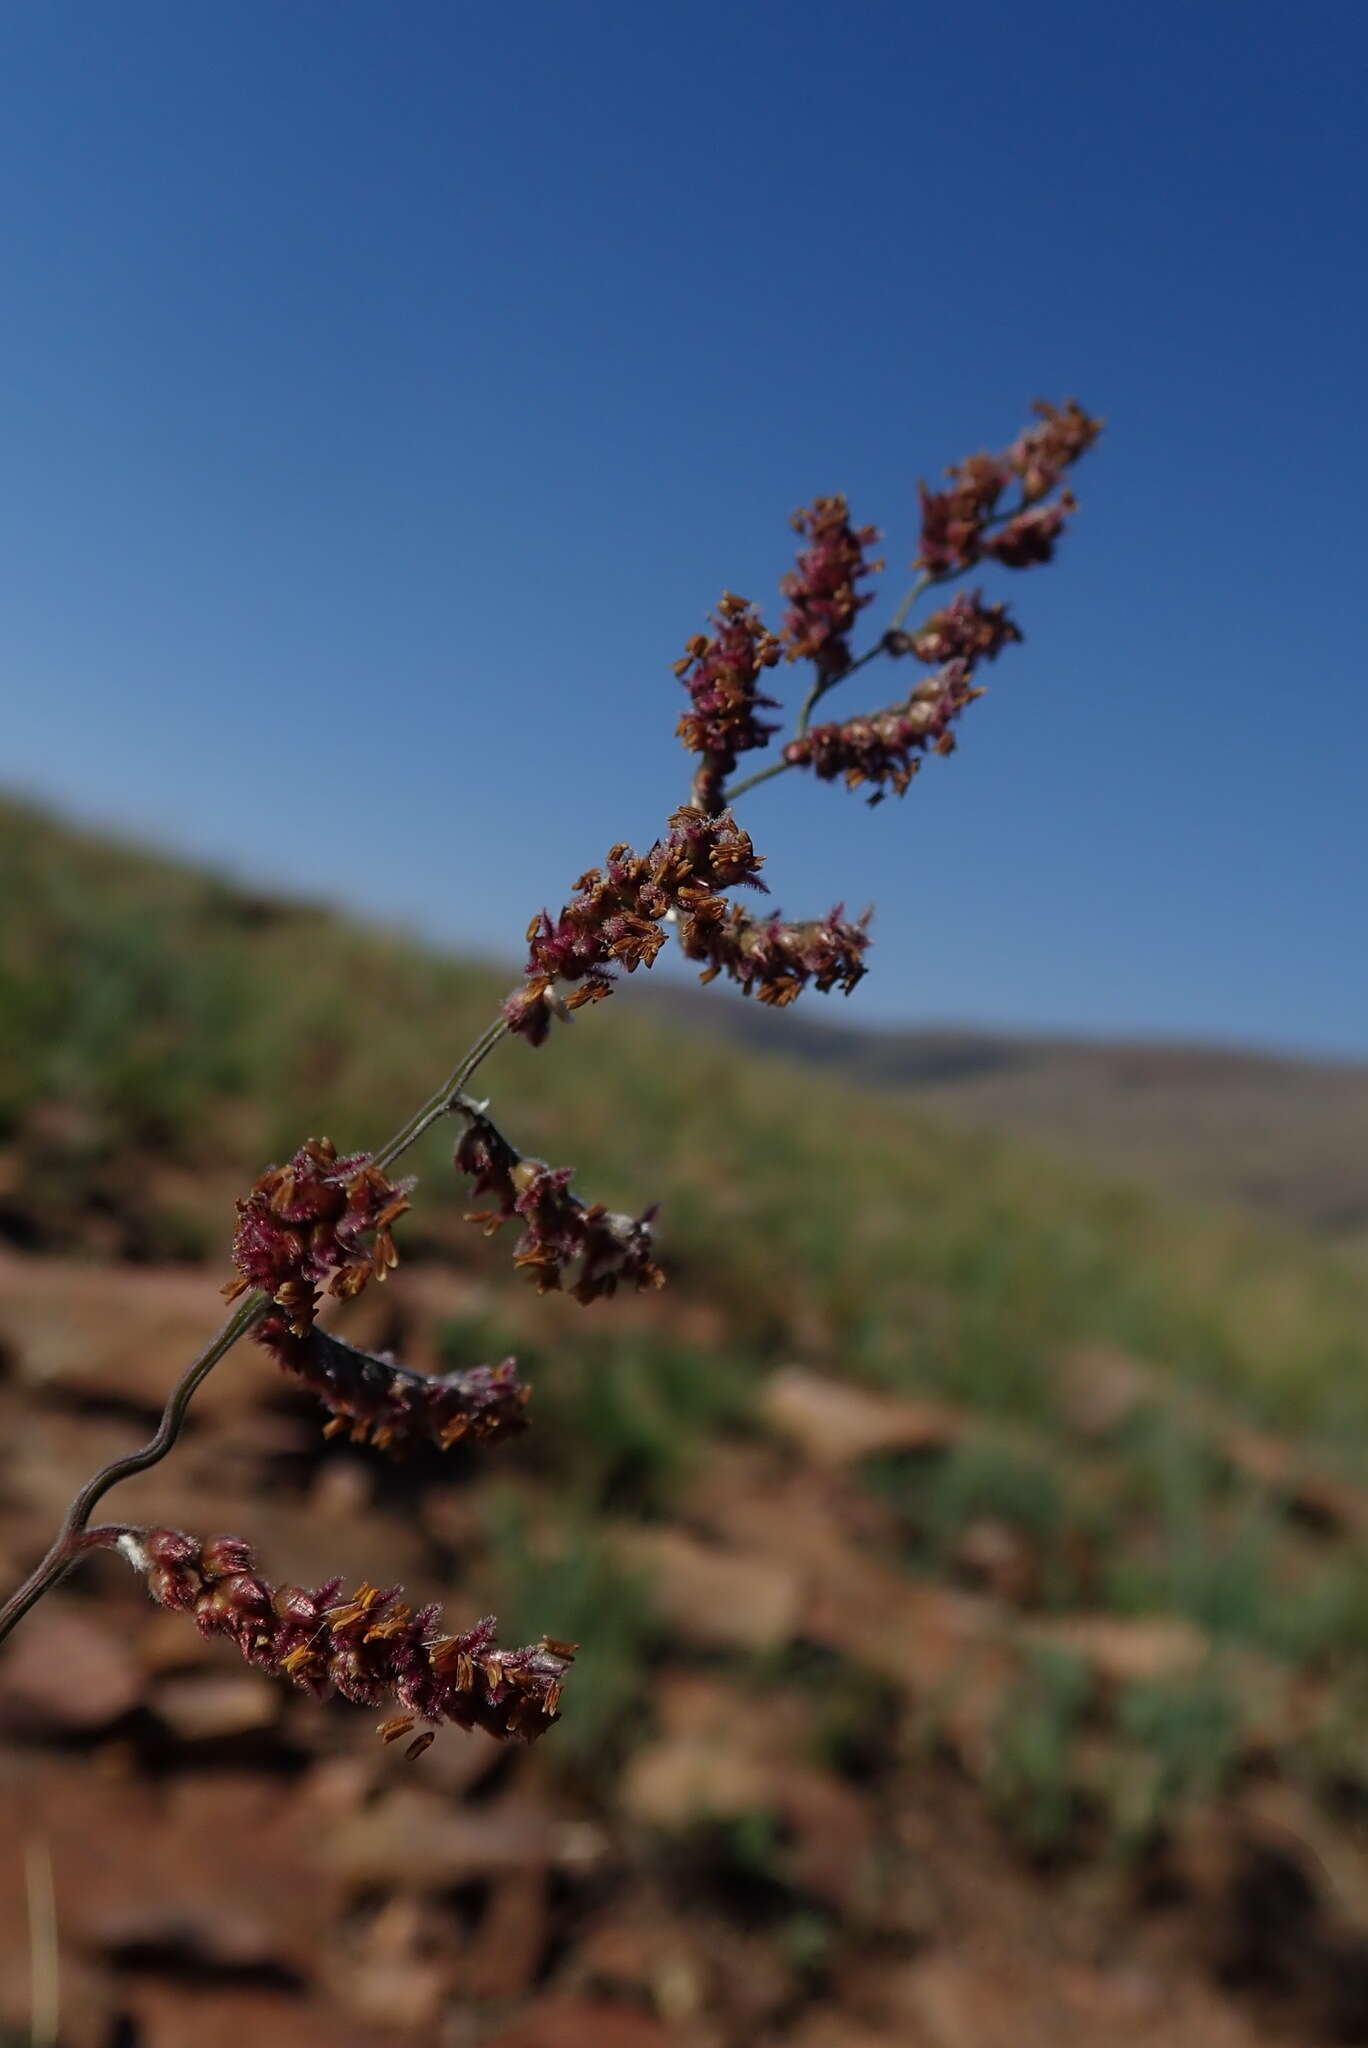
618, 919
966, 629
376, 1400
1041, 454
775, 961
722, 676
885, 747
319, 1219
370, 1648
559, 1231
821, 589
1029, 537
953, 521
956, 522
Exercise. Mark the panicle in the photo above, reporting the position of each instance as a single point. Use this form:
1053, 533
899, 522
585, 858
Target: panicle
376, 1400
953, 520
885, 747
1029, 538
618, 918
722, 676
966, 629
821, 588
319, 1219
1041, 454
369, 1647
773, 960
561, 1236
956, 521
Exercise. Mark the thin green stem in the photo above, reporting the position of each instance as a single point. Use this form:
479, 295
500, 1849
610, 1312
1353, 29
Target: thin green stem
438, 1103
922, 584
737, 789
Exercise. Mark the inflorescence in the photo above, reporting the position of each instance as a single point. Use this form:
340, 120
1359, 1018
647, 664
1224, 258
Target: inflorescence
884, 747
963, 525
320, 1220
369, 1646
722, 675
619, 917
562, 1237
823, 600
325, 1221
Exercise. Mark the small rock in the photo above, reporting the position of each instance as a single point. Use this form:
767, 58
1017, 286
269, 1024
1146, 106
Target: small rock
64, 1672
1126, 1652
673, 1783
1100, 1388
210, 1709
219, 2016
716, 1596
999, 1558
122, 1336
582, 2023
421, 1840
507, 1947
835, 1424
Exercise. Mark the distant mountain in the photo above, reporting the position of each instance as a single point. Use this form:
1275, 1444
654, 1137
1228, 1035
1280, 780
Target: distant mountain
1285, 1137
149, 1008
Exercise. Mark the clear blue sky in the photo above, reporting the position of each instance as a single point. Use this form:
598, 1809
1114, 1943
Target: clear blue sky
390, 389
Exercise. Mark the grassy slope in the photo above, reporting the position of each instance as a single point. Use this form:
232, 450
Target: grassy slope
151, 1013
1279, 1137
163, 1034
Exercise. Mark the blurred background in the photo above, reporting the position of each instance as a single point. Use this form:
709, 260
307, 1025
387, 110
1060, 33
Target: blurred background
967, 1548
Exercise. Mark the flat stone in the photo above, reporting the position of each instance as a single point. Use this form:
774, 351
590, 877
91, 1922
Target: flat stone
715, 1596
214, 1707
65, 1672
833, 1423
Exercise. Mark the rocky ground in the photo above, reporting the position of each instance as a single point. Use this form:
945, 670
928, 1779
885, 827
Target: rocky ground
835, 1808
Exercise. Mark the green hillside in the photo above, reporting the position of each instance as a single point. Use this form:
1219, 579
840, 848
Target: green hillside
1279, 1137
163, 1034
941, 1471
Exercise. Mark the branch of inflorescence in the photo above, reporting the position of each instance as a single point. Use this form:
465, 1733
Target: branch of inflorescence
825, 684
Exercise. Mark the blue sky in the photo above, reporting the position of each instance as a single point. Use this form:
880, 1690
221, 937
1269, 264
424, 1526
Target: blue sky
390, 390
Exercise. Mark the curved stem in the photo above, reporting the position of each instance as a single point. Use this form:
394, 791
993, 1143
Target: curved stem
68, 1543
923, 583
737, 789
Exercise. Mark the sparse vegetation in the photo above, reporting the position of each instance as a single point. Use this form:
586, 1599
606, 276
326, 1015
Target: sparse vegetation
862, 1236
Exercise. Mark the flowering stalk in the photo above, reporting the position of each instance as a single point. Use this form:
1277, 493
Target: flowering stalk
823, 601
322, 1225
561, 1235
368, 1646
884, 747
378, 1401
722, 676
